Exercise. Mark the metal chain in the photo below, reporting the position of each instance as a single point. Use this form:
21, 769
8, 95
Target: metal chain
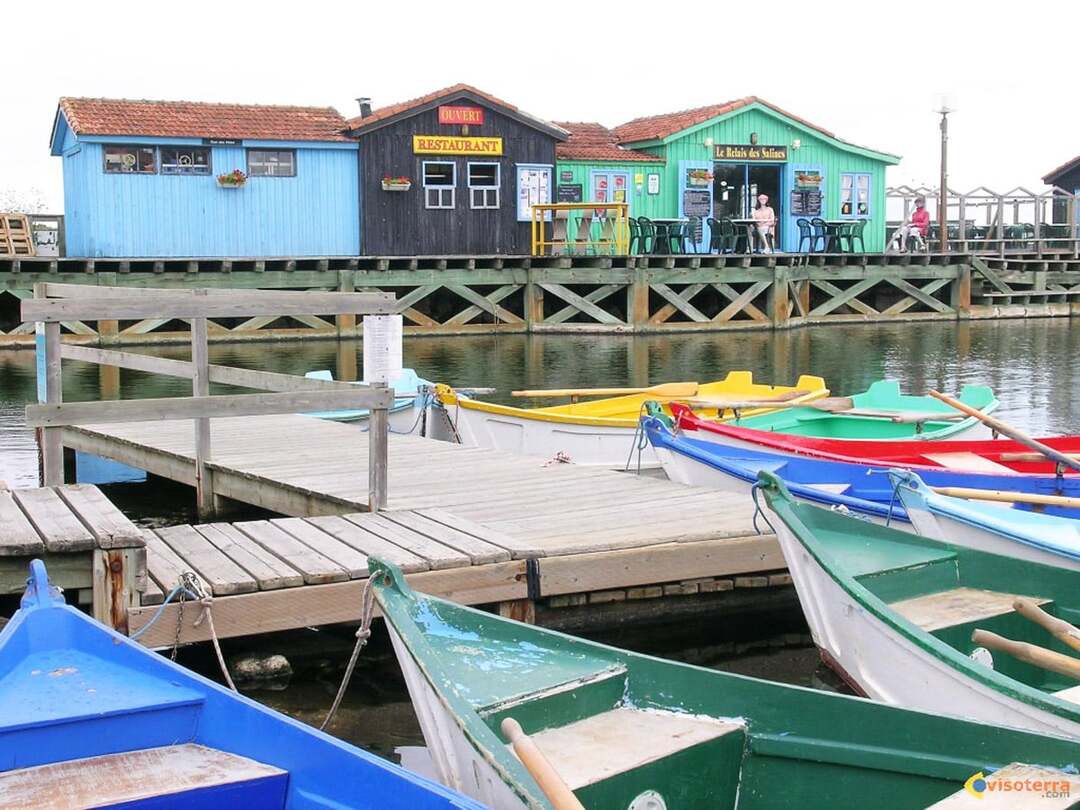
179, 624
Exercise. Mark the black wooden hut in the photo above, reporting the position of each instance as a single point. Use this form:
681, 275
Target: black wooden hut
452, 173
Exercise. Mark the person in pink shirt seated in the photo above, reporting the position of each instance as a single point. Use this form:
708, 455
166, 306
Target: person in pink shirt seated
920, 224
765, 224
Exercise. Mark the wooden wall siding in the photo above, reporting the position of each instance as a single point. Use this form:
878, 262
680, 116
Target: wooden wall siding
314, 213
396, 223
463, 295
773, 130
642, 204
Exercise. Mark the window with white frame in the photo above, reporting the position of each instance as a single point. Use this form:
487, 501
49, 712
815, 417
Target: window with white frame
130, 160
854, 194
271, 162
185, 160
440, 181
483, 185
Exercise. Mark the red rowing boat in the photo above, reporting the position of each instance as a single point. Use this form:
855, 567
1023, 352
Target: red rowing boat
987, 455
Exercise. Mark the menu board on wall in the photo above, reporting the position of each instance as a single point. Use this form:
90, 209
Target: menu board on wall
805, 203
569, 192
534, 186
697, 203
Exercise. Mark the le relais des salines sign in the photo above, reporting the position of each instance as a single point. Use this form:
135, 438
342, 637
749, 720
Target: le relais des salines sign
732, 151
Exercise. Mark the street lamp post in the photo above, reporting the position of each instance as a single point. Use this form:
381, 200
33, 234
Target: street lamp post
943, 189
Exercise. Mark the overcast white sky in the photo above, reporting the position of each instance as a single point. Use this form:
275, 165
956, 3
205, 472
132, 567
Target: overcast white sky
869, 71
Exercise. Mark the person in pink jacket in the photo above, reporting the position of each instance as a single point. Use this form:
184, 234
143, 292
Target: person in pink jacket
765, 224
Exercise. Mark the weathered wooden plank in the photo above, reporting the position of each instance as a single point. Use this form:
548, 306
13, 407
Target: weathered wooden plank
369, 544
741, 301
272, 611
593, 296
269, 571
109, 526
665, 312
70, 571
353, 561
487, 303
182, 304
436, 554
842, 297
478, 530
314, 567
54, 521
18, 537
923, 295
478, 550
156, 409
208, 561
165, 565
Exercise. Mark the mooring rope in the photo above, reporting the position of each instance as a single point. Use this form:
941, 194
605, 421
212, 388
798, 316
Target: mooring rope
758, 510
363, 633
161, 609
207, 602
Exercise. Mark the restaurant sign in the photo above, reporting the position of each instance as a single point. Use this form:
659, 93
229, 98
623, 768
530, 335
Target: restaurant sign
461, 115
454, 145
732, 151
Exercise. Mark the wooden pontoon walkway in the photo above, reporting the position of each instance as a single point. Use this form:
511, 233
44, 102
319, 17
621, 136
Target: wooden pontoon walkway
473, 525
300, 466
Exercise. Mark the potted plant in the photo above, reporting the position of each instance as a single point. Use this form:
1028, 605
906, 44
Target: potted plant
233, 179
400, 183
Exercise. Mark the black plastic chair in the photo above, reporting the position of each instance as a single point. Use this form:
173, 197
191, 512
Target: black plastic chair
677, 236
693, 232
635, 236
806, 235
715, 236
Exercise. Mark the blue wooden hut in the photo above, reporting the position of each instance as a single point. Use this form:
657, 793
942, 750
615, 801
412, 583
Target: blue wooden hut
157, 179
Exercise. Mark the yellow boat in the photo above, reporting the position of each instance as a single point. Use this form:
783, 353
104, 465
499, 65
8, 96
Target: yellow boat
600, 432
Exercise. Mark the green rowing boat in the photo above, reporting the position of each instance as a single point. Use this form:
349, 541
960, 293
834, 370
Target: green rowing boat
862, 416
631, 732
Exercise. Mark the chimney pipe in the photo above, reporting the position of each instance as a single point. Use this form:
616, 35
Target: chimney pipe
365, 106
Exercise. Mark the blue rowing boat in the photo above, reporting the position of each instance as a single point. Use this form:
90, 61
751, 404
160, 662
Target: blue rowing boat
1016, 533
864, 489
410, 396
89, 718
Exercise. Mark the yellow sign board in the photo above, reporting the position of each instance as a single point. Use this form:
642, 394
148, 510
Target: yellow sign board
455, 145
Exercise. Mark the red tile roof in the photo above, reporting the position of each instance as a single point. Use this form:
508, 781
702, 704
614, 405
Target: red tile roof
193, 119
658, 127
382, 113
589, 141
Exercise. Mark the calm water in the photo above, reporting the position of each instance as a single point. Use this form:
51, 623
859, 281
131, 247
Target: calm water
1030, 364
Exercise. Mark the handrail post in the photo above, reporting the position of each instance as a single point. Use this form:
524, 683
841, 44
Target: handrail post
378, 450
200, 387
50, 390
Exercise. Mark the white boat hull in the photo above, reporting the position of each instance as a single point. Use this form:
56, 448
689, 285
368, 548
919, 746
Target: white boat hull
948, 529
585, 445
458, 764
886, 666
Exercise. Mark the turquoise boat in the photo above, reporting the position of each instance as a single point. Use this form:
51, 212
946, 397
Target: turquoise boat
879, 412
606, 729
90, 718
410, 398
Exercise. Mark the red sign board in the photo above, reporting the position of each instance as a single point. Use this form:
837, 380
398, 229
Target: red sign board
461, 115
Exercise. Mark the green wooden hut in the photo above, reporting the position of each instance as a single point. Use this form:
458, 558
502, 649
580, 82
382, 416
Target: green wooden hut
590, 166
716, 160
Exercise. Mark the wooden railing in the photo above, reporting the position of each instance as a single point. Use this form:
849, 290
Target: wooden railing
586, 229
56, 303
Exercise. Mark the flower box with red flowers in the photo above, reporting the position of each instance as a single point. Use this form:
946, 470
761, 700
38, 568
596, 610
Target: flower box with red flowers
233, 179
396, 183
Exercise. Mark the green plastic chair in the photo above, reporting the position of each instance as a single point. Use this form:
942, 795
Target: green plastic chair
635, 236
855, 232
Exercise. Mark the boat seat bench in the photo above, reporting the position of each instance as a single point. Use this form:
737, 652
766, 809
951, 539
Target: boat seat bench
204, 777
689, 759
937, 611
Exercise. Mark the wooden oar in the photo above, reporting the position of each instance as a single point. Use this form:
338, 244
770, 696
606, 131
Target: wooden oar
1029, 653
1032, 456
1005, 429
1000, 496
557, 791
1060, 629
668, 390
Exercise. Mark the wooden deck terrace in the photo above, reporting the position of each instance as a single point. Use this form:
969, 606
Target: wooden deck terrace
439, 295
473, 525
